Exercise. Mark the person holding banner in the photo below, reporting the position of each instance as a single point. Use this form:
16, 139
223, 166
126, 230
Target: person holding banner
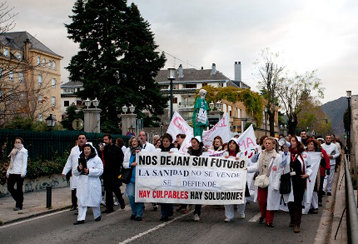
166, 209
196, 149
299, 170
234, 151
217, 144
268, 165
129, 162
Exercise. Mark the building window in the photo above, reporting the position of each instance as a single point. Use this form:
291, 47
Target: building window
11, 75
66, 103
49, 65
205, 84
175, 100
40, 80
79, 103
53, 101
21, 77
6, 52
40, 117
53, 83
54, 65
43, 62
190, 86
38, 61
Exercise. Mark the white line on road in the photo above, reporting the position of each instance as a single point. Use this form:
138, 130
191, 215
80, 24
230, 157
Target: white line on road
35, 218
153, 229
255, 218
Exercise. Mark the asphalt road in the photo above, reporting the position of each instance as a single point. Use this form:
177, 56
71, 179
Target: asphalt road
117, 227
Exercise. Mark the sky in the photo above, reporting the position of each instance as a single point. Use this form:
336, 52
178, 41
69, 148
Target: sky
308, 35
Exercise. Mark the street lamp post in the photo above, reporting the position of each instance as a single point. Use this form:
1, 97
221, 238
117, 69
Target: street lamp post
265, 121
171, 78
349, 95
51, 121
218, 108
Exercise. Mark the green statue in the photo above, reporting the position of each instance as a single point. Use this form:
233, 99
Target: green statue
200, 114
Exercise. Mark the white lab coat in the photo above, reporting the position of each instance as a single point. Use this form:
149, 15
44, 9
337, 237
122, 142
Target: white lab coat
273, 192
72, 163
19, 165
289, 197
89, 190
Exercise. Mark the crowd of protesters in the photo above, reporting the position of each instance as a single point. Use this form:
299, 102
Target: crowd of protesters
87, 168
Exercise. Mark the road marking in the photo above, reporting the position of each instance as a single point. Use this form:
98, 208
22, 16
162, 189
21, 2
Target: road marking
154, 229
255, 218
31, 219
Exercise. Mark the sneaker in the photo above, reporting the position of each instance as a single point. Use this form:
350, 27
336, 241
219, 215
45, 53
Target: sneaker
242, 216
196, 218
116, 203
132, 217
227, 220
17, 209
138, 218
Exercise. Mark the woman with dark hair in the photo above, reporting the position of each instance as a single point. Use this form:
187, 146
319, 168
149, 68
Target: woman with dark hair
129, 162
180, 139
314, 146
234, 152
217, 144
300, 171
166, 209
196, 149
17, 172
89, 189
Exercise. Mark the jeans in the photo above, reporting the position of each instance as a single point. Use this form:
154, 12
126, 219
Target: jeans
166, 209
17, 194
137, 208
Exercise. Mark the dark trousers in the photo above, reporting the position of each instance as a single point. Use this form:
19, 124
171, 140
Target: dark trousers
166, 209
110, 189
295, 213
320, 191
17, 193
74, 198
295, 207
197, 209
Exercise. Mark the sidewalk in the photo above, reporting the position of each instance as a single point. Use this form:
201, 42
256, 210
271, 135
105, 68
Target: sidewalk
34, 205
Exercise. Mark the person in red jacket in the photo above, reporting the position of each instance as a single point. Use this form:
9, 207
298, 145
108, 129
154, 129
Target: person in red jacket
323, 168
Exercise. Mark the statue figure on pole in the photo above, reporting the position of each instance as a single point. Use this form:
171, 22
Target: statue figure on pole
200, 114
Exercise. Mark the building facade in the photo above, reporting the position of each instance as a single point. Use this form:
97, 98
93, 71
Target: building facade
30, 78
68, 95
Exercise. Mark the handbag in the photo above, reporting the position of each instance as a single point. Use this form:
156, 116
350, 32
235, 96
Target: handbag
126, 175
285, 183
263, 181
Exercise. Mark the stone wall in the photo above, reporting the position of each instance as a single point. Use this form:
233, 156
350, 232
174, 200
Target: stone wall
30, 185
354, 128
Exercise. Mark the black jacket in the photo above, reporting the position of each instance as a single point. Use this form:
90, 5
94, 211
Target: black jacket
113, 161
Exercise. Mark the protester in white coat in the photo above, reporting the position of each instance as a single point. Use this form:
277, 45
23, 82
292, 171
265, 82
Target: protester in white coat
17, 172
89, 190
234, 152
71, 165
268, 164
333, 153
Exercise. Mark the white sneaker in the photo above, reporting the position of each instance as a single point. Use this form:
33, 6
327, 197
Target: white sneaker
196, 217
103, 202
116, 203
227, 220
242, 216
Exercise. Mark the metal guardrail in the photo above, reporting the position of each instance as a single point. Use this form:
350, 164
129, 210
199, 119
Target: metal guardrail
352, 215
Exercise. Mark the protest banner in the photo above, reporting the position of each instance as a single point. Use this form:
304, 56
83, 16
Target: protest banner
222, 129
314, 159
175, 178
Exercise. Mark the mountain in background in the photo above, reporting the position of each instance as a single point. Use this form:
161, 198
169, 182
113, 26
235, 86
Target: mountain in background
335, 110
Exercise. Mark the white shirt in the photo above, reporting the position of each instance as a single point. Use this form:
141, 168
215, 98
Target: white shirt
331, 149
19, 165
148, 147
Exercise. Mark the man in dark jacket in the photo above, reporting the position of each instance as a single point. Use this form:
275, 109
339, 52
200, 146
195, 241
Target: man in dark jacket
112, 160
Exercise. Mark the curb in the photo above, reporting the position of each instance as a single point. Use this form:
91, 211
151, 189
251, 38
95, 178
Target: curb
34, 215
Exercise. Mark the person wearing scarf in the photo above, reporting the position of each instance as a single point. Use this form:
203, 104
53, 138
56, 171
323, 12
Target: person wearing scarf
268, 164
129, 162
89, 189
17, 172
300, 171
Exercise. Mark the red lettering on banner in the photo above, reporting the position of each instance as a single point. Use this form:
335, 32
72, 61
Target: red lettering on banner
178, 123
249, 141
144, 193
170, 194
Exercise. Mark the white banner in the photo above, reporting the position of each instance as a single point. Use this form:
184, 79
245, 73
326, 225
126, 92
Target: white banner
179, 126
222, 129
314, 159
247, 140
174, 178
